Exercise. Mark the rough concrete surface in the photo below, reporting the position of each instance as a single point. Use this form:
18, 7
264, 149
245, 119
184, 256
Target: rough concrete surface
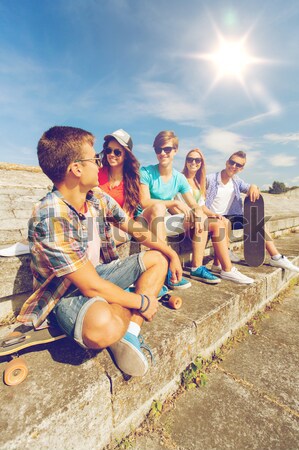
251, 401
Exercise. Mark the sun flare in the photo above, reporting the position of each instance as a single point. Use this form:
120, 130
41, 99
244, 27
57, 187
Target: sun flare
231, 59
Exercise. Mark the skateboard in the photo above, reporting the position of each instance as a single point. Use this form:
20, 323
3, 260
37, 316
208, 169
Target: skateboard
172, 301
20, 338
254, 232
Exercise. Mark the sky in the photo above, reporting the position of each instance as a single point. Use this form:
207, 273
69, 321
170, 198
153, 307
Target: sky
223, 75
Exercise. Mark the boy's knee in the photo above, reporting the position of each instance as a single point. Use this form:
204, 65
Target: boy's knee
99, 330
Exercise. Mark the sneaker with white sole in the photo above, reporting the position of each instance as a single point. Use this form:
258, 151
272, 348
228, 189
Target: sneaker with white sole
216, 269
236, 276
203, 274
284, 263
15, 250
233, 257
183, 284
128, 355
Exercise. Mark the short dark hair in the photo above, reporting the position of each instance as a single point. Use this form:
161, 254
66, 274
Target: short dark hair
240, 153
59, 147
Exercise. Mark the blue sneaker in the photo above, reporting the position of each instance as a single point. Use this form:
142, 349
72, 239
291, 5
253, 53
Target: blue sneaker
203, 274
128, 356
164, 289
183, 284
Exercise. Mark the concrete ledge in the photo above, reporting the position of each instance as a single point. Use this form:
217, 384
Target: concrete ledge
16, 278
74, 398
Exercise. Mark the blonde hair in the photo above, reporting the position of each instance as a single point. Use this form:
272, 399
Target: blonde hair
200, 176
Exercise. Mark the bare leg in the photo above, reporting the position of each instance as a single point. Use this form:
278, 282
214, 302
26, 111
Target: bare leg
154, 216
104, 324
219, 239
199, 241
270, 246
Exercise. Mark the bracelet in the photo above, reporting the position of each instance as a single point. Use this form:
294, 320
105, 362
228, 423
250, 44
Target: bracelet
142, 302
141, 310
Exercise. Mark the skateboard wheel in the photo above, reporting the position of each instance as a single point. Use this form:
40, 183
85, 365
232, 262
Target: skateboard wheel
15, 372
175, 302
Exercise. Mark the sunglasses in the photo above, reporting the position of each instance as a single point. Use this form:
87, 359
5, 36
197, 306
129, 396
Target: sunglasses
231, 162
115, 152
96, 160
190, 160
167, 150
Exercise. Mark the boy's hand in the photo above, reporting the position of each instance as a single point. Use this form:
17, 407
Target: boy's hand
148, 315
175, 268
253, 193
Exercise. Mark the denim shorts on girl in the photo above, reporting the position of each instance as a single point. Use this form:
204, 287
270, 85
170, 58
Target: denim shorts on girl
70, 310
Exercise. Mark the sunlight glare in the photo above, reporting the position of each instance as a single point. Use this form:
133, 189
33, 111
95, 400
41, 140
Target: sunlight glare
231, 59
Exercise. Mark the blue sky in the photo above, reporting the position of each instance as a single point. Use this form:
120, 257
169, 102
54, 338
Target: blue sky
145, 66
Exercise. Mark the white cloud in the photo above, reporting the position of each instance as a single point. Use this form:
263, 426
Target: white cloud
224, 141
167, 102
282, 138
282, 160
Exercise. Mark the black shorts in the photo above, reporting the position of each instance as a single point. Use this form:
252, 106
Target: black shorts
237, 221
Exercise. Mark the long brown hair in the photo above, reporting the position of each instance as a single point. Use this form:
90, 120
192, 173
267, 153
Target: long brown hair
200, 176
130, 175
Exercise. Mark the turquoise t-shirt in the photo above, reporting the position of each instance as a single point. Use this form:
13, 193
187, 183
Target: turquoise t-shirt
161, 190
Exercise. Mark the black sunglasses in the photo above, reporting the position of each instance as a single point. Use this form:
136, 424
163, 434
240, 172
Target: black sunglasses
97, 159
231, 162
110, 151
190, 160
167, 150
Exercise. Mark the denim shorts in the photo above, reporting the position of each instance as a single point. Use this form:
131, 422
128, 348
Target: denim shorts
237, 221
70, 310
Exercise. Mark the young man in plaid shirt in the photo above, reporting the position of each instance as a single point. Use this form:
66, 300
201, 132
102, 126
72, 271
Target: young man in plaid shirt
79, 280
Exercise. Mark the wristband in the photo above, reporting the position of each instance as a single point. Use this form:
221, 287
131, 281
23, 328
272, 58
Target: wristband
147, 306
142, 302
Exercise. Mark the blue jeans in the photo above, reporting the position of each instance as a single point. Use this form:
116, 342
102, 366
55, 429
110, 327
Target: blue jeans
70, 310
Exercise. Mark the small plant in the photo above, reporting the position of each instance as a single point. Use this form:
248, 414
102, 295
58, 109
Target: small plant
156, 409
123, 444
194, 376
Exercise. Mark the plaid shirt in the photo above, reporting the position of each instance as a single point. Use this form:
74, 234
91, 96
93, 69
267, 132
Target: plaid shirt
236, 207
58, 238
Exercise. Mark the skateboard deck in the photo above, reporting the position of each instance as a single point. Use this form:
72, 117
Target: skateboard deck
254, 232
18, 339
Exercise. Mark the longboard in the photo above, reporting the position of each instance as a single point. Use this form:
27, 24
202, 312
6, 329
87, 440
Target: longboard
254, 232
18, 339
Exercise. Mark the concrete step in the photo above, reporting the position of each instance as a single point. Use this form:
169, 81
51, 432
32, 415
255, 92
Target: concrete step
77, 399
16, 278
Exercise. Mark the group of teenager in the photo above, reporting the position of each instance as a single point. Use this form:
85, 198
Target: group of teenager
79, 282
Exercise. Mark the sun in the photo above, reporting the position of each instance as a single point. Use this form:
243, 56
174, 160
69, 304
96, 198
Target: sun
231, 59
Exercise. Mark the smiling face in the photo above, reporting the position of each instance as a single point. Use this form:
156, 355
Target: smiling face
165, 153
115, 154
234, 165
193, 162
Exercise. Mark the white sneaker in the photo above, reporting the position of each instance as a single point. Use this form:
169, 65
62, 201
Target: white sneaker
15, 250
216, 269
236, 276
233, 257
284, 263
